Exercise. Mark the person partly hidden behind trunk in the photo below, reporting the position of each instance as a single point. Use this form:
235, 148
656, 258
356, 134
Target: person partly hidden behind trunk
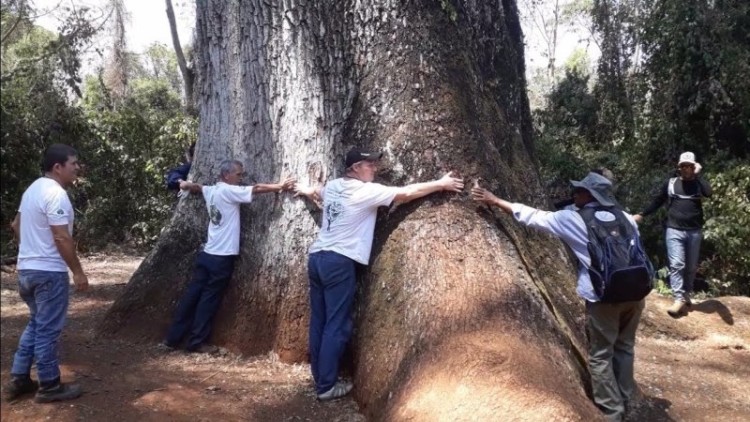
180, 173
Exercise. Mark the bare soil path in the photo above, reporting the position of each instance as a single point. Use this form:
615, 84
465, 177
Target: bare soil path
694, 368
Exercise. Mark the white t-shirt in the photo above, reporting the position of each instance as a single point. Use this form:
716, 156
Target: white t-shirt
45, 203
223, 203
349, 212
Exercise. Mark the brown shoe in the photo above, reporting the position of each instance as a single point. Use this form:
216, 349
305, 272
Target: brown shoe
677, 308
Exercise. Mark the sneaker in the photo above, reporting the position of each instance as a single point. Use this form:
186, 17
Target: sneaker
59, 392
340, 389
18, 386
208, 349
677, 308
166, 347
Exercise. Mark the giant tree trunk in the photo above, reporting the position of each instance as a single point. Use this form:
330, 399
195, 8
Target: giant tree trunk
462, 314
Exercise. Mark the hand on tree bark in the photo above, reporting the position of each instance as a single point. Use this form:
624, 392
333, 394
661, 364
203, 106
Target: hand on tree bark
288, 184
483, 195
309, 192
450, 183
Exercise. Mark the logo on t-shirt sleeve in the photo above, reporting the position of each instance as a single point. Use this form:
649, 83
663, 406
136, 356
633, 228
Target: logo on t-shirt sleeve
60, 211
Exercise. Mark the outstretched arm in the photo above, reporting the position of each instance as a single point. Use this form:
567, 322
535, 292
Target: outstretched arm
659, 198
483, 195
283, 186
418, 190
177, 175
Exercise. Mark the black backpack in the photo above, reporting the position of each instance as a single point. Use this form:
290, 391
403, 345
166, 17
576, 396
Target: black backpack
620, 270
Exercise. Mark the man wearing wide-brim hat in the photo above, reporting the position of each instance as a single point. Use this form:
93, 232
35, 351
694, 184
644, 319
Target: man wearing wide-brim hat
607, 323
683, 194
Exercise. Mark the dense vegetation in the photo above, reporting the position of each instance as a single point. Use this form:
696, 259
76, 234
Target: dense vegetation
129, 127
672, 76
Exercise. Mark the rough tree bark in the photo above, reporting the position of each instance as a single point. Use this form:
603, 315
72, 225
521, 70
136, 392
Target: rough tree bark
462, 314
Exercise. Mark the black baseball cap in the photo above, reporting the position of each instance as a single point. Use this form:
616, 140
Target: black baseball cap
355, 155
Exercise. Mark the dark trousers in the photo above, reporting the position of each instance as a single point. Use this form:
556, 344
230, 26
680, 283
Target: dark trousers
201, 300
333, 279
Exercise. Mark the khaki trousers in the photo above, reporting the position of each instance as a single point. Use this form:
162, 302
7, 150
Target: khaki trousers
611, 328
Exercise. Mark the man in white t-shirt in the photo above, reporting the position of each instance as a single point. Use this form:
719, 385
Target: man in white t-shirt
44, 227
350, 207
215, 264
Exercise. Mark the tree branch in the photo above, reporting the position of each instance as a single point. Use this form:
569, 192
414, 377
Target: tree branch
12, 28
187, 73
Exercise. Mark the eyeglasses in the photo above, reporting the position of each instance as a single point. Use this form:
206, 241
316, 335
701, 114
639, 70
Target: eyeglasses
684, 166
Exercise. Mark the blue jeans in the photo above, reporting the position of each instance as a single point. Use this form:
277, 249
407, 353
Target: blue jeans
683, 249
196, 310
333, 283
46, 294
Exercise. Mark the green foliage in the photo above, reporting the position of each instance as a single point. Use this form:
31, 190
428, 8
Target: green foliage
136, 143
661, 285
566, 131
689, 90
699, 69
125, 145
34, 109
727, 230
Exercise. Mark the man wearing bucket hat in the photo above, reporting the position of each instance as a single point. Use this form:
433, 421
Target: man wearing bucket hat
611, 326
350, 207
683, 195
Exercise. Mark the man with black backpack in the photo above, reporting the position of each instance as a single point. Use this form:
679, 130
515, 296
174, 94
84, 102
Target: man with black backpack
614, 275
684, 195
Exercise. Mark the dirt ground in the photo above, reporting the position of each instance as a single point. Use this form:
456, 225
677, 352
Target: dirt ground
691, 369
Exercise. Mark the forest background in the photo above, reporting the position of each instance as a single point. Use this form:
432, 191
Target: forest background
644, 82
